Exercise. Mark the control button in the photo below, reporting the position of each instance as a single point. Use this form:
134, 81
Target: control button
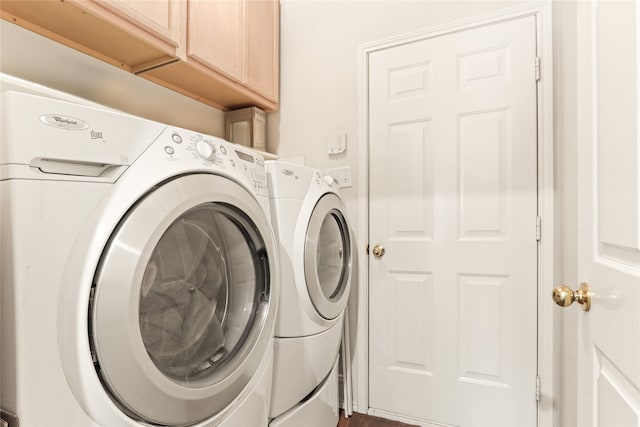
223, 150
329, 180
176, 138
206, 150
169, 150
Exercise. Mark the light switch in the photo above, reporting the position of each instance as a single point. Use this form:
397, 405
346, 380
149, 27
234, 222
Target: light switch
337, 143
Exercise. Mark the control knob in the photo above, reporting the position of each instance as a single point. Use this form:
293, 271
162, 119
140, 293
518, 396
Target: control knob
206, 150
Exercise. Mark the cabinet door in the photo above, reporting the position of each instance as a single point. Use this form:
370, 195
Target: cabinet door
261, 47
215, 35
160, 18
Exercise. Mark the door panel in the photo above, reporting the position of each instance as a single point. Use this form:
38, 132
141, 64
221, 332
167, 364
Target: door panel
609, 215
453, 200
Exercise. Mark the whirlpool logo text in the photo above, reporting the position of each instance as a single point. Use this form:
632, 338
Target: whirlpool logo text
64, 122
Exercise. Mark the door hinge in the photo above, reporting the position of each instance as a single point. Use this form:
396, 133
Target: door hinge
537, 68
538, 228
538, 389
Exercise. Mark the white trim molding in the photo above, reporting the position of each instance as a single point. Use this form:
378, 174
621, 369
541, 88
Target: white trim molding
546, 352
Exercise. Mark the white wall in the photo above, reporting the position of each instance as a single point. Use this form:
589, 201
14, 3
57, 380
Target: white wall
319, 65
319, 97
32, 57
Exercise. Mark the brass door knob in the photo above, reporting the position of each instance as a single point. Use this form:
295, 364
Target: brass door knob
564, 296
378, 251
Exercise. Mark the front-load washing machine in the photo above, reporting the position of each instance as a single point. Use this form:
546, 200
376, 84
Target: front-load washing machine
310, 222
139, 272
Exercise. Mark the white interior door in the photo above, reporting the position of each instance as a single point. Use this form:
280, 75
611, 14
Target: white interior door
609, 215
453, 201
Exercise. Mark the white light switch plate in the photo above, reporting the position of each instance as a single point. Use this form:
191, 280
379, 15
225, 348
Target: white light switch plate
342, 176
337, 144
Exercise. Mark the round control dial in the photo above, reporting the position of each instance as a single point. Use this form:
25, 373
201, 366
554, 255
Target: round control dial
206, 150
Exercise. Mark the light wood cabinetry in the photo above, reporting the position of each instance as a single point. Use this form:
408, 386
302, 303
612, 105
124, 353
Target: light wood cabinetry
239, 39
232, 53
159, 22
261, 47
221, 52
216, 34
120, 33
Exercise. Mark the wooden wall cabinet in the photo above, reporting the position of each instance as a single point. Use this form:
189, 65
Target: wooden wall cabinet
129, 34
221, 52
232, 53
159, 23
262, 41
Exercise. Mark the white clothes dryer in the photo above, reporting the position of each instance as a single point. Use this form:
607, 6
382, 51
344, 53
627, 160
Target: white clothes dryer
139, 272
310, 222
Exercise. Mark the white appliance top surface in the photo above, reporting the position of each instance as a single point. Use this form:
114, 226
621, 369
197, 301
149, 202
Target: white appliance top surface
294, 181
288, 180
34, 127
11, 83
47, 134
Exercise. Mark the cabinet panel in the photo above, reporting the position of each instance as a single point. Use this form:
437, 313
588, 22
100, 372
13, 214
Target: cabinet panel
92, 29
197, 81
261, 47
215, 35
162, 18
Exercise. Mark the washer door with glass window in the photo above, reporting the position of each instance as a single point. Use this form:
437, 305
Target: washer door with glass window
182, 311
327, 257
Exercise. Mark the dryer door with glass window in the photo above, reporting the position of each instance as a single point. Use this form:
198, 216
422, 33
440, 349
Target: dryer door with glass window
182, 311
327, 257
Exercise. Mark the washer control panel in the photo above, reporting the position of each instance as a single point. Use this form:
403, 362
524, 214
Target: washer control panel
209, 151
253, 167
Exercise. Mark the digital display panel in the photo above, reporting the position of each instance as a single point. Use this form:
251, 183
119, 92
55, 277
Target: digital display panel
246, 157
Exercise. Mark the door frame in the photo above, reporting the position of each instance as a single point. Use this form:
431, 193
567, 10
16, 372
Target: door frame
546, 256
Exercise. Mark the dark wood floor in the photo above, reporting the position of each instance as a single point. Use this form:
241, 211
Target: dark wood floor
361, 420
